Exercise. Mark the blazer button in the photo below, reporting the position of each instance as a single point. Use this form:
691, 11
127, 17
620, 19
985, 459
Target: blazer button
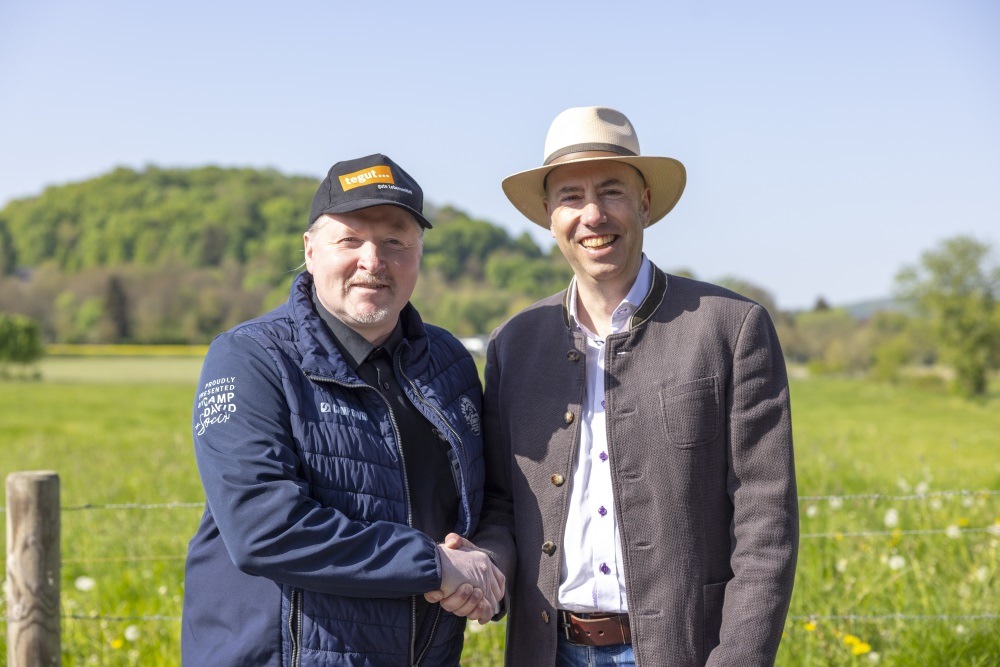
545, 617
558, 479
573, 355
569, 416
549, 548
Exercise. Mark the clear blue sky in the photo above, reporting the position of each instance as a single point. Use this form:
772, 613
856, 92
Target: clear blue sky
825, 145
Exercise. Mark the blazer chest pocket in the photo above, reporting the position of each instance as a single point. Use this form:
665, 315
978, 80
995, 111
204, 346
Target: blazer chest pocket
691, 412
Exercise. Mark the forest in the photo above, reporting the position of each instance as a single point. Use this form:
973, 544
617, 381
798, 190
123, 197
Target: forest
178, 255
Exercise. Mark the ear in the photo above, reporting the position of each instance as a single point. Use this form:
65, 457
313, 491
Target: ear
545, 204
645, 203
307, 248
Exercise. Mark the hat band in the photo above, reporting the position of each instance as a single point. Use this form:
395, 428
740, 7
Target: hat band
560, 155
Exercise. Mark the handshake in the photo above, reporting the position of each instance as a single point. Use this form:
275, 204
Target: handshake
471, 585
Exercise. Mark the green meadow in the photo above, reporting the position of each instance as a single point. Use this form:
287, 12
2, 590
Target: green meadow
900, 514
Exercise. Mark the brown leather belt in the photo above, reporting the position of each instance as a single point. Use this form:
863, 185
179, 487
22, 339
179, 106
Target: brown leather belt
595, 629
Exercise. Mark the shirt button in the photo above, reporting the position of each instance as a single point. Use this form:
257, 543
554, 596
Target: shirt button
549, 548
545, 617
605, 569
385, 385
558, 479
604, 456
573, 355
602, 511
569, 416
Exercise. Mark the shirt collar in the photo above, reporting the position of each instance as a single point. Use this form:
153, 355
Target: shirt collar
354, 347
620, 318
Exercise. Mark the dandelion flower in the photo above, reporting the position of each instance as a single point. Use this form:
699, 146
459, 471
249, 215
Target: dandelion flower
836, 502
896, 562
953, 531
982, 574
874, 657
903, 485
922, 488
117, 643
812, 511
861, 648
891, 519
994, 529
162, 590
959, 629
841, 565
851, 640
809, 626
963, 522
131, 633
968, 501
935, 504
84, 584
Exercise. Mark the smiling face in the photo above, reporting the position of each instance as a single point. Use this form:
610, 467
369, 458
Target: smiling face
365, 265
598, 211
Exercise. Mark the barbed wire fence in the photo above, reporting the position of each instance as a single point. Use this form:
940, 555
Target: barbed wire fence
837, 500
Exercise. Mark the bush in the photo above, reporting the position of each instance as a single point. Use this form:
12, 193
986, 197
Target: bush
20, 341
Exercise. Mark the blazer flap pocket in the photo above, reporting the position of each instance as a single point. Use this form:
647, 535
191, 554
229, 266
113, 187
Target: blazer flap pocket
691, 412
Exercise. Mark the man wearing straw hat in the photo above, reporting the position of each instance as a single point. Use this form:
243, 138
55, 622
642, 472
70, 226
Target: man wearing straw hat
637, 426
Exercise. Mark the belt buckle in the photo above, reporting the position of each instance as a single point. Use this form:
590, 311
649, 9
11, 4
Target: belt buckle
566, 624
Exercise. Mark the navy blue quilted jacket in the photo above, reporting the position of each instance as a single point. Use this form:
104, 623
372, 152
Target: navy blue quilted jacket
305, 555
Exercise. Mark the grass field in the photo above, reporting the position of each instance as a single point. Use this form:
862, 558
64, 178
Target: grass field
910, 578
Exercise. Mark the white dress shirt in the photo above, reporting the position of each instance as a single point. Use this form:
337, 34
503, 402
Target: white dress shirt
592, 577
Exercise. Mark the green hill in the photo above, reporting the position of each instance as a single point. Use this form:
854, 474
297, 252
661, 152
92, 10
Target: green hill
177, 255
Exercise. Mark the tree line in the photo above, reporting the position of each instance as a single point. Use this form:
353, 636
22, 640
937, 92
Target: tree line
177, 255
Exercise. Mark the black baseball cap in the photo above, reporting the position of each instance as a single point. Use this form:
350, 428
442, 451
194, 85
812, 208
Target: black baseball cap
368, 181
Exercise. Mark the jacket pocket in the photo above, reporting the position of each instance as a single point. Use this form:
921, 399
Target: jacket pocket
691, 412
713, 596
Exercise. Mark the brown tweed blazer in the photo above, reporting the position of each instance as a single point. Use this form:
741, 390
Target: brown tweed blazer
700, 444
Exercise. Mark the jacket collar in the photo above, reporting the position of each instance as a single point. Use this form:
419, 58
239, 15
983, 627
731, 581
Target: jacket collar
647, 307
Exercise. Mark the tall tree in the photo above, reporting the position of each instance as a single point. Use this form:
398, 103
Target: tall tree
957, 287
116, 308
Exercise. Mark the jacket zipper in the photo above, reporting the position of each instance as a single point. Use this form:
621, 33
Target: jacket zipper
456, 465
295, 626
430, 637
458, 439
406, 488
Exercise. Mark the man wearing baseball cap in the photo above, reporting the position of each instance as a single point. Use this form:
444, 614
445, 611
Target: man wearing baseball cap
637, 425
339, 443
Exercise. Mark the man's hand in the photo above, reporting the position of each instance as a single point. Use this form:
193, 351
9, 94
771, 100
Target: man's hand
471, 585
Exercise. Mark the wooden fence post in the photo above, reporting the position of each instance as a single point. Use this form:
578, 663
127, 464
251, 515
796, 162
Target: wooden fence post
33, 569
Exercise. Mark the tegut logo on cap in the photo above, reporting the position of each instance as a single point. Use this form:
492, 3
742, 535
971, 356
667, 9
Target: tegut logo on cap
379, 174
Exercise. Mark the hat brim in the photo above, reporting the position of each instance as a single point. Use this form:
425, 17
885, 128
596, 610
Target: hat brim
358, 204
665, 177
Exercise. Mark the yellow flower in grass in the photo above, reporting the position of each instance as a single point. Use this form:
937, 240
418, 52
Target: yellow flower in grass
851, 640
861, 648
809, 626
117, 643
963, 522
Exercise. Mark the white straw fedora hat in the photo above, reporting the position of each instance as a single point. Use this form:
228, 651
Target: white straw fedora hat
582, 134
